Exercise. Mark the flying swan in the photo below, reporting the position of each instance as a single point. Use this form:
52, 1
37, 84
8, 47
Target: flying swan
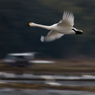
65, 26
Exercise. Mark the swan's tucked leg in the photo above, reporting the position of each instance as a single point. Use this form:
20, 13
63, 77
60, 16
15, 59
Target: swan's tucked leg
52, 35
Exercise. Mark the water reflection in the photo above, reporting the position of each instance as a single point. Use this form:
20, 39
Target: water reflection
57, 83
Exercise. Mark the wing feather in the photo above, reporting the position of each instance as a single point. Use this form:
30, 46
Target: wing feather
67, 20
52, 35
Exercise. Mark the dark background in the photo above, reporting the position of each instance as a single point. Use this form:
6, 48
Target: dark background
15, 36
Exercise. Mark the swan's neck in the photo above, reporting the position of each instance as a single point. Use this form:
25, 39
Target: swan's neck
41, 26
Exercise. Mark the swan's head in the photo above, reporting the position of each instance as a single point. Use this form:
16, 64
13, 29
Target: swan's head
77, 31
31, 24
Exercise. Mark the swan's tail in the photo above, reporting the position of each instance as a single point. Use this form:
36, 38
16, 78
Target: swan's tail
42, 38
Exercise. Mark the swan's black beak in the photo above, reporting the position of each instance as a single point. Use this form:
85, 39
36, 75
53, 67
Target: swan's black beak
28, 24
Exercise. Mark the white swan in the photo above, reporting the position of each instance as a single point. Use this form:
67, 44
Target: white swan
65, 26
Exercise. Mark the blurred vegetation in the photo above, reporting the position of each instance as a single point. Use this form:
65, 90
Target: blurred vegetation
15, 36
41, 86
63, 67
19, 86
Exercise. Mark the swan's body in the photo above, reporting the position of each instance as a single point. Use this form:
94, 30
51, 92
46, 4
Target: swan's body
65, 26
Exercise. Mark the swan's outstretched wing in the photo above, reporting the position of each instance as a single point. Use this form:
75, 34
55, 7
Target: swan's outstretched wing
52, 35
67, 20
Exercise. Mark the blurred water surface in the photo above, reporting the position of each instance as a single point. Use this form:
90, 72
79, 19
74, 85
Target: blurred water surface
8, 91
